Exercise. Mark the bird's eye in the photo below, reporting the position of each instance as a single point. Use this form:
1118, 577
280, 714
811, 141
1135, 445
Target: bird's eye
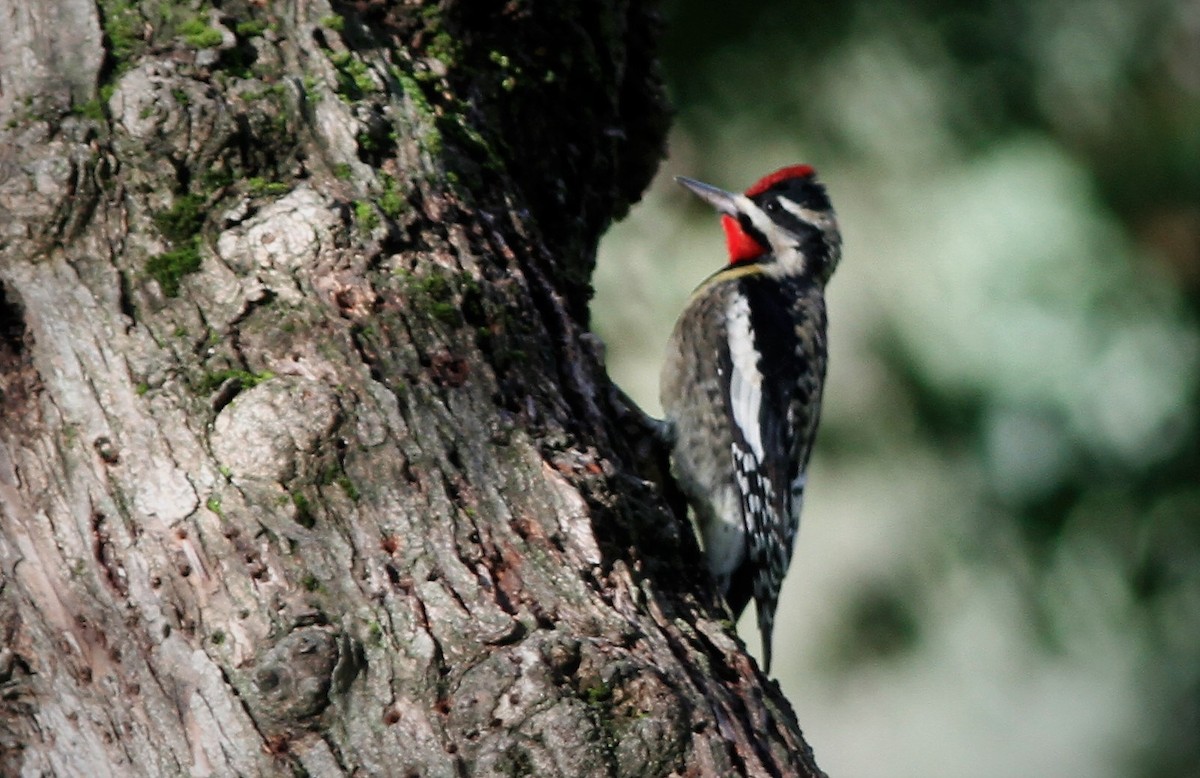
771, 207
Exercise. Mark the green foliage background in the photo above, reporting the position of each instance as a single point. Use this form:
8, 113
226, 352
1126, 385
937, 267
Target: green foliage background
999, 568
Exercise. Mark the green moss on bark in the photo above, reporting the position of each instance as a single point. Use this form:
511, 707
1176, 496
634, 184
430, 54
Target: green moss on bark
169, 267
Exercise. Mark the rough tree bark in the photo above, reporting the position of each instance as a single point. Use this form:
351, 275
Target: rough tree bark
306, 462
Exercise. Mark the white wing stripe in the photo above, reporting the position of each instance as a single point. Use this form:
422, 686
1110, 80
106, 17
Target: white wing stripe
745, 381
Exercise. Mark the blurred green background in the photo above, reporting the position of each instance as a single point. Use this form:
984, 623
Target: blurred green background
998, 571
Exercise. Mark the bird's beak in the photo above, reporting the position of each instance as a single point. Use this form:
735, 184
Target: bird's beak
724, 202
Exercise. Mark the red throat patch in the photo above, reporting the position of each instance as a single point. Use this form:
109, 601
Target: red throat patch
741, 246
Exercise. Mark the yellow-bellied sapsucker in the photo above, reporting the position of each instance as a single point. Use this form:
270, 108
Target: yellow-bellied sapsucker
742, 382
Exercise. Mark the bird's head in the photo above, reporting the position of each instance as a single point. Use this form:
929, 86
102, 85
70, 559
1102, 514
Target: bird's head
784, 220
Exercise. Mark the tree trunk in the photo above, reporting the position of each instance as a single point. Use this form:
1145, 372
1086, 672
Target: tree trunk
307, 463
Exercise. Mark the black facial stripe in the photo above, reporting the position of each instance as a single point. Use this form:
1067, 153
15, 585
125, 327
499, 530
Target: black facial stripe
807, 194
803, 230
810, 239
816, 253
754, 232
804, 192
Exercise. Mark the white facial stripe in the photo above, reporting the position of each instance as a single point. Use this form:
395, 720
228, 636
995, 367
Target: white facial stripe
759, 219
816, 218
745, 382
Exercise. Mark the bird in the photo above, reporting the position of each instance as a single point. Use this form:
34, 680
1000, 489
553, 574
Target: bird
743, 380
